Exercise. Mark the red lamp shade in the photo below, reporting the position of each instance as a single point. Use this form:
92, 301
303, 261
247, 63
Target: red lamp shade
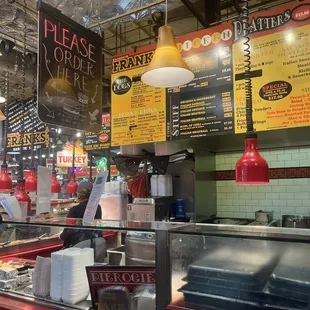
252, 168
55, 184
31, 181
21, 195
72, 186
5, 180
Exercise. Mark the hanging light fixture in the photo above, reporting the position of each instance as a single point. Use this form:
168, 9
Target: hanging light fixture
56, 188
251, 168
20, 193
167, 68
5, 180
2, 116
72, 186
32, 181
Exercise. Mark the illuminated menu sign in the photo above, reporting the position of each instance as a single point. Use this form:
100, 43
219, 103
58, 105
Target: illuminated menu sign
214, 102
102, 140
70, 72
22, 114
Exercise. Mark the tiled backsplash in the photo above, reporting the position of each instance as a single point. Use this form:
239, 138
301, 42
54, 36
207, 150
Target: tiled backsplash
283, 196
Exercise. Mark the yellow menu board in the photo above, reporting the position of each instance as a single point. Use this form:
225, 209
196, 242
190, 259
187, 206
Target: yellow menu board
214, 102
138, 110
281, 71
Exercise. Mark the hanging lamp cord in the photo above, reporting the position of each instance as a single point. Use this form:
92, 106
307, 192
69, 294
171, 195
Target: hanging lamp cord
6, 110
34, 74
244, 16
166, 13
21, 164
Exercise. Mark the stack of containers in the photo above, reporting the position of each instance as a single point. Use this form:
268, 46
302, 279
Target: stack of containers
56, 275
69, 279
291, 277
235, 276
41, 277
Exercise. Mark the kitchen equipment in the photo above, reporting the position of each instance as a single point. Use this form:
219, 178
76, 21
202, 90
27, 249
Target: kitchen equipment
117, 256
227, 221
263, 216
142, 209
295, 221
293, 270
140, 249
222, 262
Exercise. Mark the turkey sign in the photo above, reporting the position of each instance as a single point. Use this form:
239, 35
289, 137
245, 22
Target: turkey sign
65, 157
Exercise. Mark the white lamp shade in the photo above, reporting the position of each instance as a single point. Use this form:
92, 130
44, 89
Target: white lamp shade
167, 77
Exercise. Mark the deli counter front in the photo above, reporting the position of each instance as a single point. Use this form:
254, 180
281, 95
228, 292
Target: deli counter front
148, 265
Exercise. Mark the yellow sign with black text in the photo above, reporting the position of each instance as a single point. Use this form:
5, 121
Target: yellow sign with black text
214, 102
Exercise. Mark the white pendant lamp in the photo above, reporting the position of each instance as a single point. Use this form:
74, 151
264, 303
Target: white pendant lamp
167, 68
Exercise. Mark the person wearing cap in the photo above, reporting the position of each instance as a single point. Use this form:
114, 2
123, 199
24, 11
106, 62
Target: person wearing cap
71, 236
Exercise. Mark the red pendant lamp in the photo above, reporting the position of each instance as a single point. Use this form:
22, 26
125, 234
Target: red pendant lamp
72, 186
31, 181
251, 168
56, 188
21, 194
5, 180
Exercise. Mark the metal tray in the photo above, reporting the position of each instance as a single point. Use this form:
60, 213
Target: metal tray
287, 294
261, 298
207, 300
257, 287
293, 270
237, 262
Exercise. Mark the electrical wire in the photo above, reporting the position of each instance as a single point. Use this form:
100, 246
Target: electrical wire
166, 15
244, 16
21, 165
6, 109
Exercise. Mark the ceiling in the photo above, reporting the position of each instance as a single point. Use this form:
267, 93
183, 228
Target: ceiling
124, 25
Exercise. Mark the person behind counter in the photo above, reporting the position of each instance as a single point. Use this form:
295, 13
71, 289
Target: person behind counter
70, 236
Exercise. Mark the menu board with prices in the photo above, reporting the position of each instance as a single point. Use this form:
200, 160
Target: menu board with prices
280, 49
22, 114
102, 140
206, 104
70, 72
214, 102
138, 110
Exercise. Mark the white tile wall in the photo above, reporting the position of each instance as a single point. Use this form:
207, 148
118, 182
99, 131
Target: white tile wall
285, 196
276, 158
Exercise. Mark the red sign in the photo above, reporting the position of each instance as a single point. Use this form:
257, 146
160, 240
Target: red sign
129, 277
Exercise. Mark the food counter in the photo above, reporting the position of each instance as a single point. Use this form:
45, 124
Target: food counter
198, 266
23, 244
239, 267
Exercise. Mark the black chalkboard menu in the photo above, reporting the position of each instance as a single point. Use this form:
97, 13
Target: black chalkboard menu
70, 72
24, 114
102, 140
205, 105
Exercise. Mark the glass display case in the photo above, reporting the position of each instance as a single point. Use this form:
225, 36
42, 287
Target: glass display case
239, 267
33, 259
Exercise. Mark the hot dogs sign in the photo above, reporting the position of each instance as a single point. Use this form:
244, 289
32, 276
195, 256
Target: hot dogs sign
70, 92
